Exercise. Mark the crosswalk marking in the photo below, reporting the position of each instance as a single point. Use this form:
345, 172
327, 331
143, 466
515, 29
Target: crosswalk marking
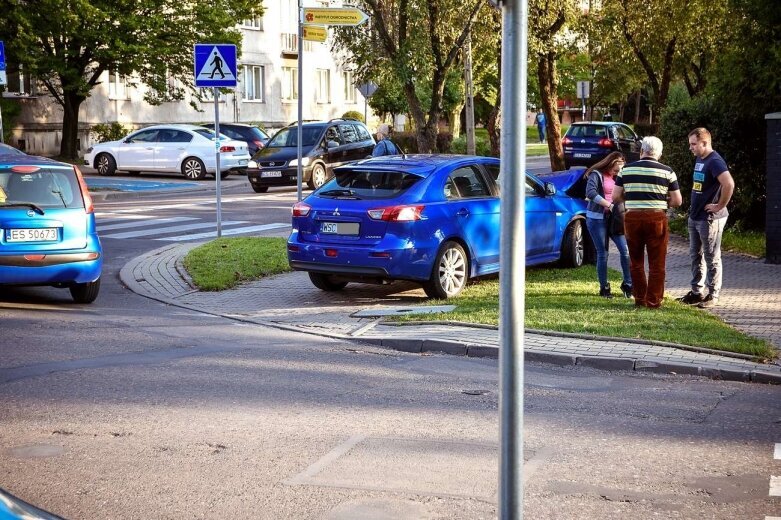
775, 486
225, 232
777, 452
171, 229
145, 223
195, 203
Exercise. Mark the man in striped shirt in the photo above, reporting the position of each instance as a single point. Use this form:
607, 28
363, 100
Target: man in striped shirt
648, 188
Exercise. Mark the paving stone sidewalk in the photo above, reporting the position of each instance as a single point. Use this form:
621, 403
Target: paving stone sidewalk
751, 301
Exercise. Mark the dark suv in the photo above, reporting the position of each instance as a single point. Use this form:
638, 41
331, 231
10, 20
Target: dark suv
325, 145
587, 143
251, 134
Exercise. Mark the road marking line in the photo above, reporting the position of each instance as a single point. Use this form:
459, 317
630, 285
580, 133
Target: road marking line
773, 518
206, 202
777, 453
225, 232
146, 223
169, 229
775, 486
109, 216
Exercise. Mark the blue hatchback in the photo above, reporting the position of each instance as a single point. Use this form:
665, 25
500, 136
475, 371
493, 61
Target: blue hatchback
433, 219
47, 227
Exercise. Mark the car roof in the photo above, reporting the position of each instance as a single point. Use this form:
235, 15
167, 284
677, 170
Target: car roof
32, 160
598, 123
177, 126
243, 125
419, 164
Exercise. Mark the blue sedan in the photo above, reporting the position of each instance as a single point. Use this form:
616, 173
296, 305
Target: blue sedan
47, 227
432, 219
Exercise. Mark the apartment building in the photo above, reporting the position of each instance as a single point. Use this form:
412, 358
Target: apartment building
267, 93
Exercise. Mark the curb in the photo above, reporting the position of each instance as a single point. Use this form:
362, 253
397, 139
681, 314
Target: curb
419, 346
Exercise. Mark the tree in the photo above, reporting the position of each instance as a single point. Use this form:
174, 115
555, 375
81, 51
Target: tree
417, 41
69, 44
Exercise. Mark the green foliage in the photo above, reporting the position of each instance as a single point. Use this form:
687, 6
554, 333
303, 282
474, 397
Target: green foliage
104, 132
11, 110
388, 99
353, 114
737, 138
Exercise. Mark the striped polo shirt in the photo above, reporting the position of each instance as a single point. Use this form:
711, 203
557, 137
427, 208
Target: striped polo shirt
646, 183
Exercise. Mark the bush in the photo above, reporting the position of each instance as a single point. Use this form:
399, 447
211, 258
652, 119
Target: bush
444, 142
738, 137
482, 146
353, 114
103, 132
407, 141
10, 111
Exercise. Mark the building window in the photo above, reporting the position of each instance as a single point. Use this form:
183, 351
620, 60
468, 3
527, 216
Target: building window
254, 82
289, 83
323, 86
253, 23
349, 87
20, 84
117, 85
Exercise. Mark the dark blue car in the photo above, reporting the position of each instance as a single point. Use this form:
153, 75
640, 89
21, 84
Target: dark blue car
433, 219
589, 142
47, 227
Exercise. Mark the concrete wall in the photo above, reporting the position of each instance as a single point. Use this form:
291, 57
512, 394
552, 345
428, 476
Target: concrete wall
773, 180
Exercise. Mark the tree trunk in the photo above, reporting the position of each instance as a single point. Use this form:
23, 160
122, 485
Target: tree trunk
495, 128
426, 136
70, 125
546, 76
455, 120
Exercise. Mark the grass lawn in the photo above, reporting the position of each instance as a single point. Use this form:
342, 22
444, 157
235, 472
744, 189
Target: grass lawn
748, 242
566, 300
563, 300
225, 262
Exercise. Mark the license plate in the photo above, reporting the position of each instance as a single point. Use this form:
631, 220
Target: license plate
31, 235
339, 228
271, 174
582, 155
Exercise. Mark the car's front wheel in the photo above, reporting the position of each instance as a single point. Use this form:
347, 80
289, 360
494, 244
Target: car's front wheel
450, 273
85, 292
105, 164
193, 169
326, 282
573, 247
318, 177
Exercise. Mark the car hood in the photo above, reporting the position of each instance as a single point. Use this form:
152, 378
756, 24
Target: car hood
284, 153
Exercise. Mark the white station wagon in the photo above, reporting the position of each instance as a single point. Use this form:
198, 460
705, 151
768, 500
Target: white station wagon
186, 149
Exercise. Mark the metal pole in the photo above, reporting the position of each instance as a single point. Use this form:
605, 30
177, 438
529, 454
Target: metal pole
217, 176
512, 257
299, 43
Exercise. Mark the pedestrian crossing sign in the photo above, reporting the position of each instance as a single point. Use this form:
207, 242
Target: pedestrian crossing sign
215, 65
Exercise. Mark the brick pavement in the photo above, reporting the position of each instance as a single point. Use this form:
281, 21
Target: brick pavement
751, 301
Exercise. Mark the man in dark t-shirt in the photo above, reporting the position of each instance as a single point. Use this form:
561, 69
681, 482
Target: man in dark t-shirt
712, 188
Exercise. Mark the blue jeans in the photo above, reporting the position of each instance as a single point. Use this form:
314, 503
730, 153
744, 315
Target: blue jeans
597, 228
541, 131
705, 253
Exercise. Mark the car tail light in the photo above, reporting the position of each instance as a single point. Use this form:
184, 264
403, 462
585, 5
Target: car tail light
293, 249
566, 141
605, 143
331, 253
89, 207
301, 209
396, 213
227, 149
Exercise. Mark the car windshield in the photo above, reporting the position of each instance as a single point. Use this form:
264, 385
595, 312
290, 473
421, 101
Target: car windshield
587, 131
368, 184
44, 187
289, 136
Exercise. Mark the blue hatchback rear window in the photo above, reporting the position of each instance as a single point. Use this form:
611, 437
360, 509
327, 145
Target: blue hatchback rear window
368, 184
46, 187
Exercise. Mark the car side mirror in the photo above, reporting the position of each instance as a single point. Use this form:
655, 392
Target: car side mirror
550, 189
331, 144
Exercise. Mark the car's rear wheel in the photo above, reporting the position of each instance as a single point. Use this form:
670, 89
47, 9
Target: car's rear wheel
450, 273
260, 189
193, 169
573, 247
223, 175
326, 282
318, 177
85, 292
105, 164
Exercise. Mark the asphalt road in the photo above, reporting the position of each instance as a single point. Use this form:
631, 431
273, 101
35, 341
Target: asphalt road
129, 408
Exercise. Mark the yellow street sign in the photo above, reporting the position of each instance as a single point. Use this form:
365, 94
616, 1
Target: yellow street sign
334, 16
315, 33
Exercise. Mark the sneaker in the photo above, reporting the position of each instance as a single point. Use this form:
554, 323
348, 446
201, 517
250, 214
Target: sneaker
708, 302
605, 292
690, 298
627, 290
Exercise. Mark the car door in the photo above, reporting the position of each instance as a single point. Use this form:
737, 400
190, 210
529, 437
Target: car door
171, 149
475, 207
541, 216
629, 142
333, 144
352, 145
137, 152
365, 139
